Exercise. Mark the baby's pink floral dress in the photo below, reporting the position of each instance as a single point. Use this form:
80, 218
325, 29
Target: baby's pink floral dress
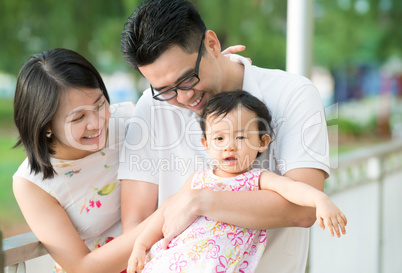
211, 246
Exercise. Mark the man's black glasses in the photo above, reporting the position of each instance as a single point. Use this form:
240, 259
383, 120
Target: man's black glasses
187, 83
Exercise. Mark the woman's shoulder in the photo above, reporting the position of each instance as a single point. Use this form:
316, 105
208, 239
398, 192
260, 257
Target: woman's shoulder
24, 171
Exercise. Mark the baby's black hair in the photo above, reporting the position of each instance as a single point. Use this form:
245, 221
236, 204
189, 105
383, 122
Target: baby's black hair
225, 102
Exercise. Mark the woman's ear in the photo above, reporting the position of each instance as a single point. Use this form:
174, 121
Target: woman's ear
212, 43
265, 140
204, 142
49, 132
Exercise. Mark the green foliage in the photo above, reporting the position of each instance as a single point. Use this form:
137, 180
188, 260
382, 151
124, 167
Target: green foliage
352, 127
344, 31
259, 25
9, 161
90, 27
93, 28
6, 114
350, 32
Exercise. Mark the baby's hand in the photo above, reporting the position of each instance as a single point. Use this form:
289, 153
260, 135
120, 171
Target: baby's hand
329, 214
137, 258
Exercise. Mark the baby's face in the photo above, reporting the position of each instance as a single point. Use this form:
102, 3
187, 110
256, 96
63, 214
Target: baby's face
233, 142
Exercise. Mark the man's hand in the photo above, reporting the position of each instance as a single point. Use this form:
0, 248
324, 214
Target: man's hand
180, 212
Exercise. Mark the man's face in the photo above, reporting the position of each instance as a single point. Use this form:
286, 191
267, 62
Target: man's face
172, 67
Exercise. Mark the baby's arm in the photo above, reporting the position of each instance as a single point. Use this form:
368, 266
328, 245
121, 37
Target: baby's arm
304, 195
151, 234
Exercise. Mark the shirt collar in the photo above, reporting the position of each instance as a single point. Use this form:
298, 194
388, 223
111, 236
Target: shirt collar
249, 81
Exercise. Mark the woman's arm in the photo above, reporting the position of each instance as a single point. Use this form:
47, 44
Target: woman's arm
50, 223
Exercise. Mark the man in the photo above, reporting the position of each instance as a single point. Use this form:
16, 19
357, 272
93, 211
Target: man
167, 41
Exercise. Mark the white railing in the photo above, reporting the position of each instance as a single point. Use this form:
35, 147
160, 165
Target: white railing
369, 167
19, 249
366, 184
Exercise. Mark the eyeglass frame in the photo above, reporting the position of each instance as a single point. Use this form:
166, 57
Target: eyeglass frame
194, 74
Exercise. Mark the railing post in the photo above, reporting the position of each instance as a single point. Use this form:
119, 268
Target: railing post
380, 212
17, 268
1, 254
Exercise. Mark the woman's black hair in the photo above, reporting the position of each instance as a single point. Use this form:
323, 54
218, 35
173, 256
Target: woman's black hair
225, 102
40, 84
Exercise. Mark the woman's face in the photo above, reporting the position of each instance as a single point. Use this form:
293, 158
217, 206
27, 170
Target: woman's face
80, 125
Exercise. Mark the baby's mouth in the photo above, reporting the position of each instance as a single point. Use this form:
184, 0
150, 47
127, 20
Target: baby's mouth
230, 160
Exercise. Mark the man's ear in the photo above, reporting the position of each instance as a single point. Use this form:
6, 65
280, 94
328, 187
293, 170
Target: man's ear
212, 43
204, 142
265, 140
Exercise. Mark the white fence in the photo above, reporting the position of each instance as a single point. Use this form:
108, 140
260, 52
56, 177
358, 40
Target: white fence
367, 186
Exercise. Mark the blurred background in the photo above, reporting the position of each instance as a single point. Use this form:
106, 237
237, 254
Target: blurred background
357, 62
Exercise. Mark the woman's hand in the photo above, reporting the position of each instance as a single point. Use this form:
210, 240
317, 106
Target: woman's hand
235, 49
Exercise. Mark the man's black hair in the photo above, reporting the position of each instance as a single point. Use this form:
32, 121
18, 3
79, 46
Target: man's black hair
156, 26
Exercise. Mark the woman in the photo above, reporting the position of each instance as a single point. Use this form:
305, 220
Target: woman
67, 188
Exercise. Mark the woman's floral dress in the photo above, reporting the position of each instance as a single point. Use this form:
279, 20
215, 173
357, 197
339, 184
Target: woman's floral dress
211, 246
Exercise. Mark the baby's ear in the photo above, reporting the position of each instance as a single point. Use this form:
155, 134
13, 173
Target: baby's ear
204, 142
265, 140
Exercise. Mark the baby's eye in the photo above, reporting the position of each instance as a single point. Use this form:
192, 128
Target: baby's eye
241, 137
219, 138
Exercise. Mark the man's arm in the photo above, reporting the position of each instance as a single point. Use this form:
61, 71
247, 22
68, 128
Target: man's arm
138, 201
249, 209
264, 209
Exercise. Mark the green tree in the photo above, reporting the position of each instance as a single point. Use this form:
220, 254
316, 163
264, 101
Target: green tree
356, 31
345, 30
93, 28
